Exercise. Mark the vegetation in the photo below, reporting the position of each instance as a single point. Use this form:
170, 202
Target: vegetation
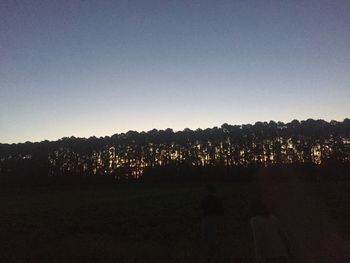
131, 155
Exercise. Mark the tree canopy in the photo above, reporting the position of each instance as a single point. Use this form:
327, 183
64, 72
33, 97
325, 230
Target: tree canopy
132, 153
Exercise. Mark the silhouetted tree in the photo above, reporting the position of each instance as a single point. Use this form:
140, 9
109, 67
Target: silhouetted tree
128, 155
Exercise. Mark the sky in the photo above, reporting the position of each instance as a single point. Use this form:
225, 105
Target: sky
96, 68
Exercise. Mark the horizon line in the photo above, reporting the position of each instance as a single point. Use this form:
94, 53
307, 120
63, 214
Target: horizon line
143, 131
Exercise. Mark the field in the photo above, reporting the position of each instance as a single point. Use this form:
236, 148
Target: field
120, 223
161, 222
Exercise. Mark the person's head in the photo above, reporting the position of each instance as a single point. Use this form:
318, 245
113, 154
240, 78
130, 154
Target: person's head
258, 208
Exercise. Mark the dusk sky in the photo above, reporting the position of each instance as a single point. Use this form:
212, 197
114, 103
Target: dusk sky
84, 68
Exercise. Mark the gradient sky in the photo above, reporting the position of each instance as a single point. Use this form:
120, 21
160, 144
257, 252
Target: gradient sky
83, 68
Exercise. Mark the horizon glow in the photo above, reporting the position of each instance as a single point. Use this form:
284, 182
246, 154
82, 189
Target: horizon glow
89, 68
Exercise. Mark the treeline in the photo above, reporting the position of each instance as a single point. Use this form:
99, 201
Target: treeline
135, 155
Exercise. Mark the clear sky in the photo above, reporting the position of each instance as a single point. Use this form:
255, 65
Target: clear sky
83, 68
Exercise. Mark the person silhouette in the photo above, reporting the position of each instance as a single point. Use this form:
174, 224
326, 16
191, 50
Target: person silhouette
212, 211
270, 240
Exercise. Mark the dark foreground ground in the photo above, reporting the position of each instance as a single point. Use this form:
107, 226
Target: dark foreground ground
123, 223
160, 222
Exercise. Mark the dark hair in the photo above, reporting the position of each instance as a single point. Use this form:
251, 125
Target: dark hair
258, 208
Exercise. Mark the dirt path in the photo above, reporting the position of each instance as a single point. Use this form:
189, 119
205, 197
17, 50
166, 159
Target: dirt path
311, 235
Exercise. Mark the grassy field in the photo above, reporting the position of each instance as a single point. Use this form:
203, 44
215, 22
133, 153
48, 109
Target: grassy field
120, 223
161, 222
